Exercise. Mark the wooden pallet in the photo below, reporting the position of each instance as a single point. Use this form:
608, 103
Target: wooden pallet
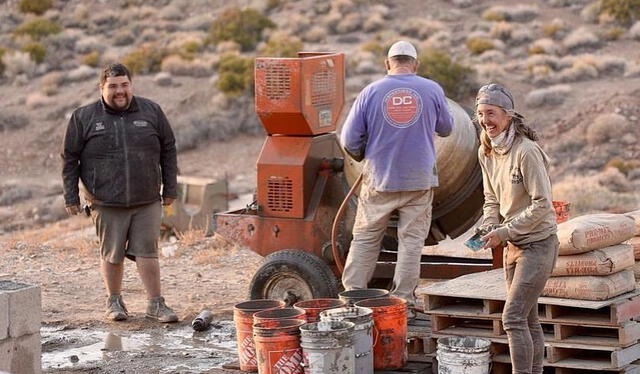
505, 368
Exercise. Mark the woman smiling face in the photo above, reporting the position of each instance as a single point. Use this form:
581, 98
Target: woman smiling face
493, 119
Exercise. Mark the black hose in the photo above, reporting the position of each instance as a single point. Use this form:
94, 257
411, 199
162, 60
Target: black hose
334, 228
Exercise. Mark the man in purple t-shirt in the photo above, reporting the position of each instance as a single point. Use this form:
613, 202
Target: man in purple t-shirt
391, 126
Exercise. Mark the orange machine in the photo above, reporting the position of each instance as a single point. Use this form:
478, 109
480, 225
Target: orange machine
300, 182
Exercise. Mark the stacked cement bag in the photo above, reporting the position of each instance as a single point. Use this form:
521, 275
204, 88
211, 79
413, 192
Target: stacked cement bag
635, 243
595, 263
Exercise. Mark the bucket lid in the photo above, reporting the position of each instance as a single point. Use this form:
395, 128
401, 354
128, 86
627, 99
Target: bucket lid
278, 327
279, 313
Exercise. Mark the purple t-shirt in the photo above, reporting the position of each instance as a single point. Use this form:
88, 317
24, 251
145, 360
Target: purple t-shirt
395, 119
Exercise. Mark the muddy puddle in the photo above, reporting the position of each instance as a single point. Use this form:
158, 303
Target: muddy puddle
180, 350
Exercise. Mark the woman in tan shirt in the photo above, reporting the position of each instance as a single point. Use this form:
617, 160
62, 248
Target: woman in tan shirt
518, 210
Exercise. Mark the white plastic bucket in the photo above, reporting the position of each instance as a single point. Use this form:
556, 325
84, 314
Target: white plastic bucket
463, 355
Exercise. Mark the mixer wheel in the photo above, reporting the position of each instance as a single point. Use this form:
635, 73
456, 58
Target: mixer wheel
293, 276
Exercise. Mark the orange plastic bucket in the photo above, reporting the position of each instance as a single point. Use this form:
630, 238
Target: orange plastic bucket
278, 314
243, 317
313, 307
278, 346
390, 333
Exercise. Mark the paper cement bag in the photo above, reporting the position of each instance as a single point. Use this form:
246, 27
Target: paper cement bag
603, 261
636, 217
636, 271
635, 243
594, 231
590, 287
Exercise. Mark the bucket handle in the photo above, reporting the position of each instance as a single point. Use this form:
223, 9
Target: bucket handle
376, 335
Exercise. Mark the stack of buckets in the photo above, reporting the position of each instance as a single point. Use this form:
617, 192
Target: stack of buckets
362, 331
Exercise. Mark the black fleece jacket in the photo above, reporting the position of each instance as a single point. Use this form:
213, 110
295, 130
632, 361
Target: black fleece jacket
122, 158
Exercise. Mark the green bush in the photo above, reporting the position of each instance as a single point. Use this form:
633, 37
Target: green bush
282, 46
34, 6
493, 15
145, 59
37, 51
91, 59
456, 79
190, 49
38, 28
242, 26
479, 45
623, 11
235, 75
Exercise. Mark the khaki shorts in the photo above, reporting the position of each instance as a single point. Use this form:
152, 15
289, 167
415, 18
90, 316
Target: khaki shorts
129, 232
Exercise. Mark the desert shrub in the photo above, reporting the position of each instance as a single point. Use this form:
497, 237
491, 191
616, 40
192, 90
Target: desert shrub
634, 31
51, 82
145, 59
374, 22
91, 59
456, 79
420, 28
315, 34
581, 38
623, 11
272, 4
611, 33
349, 23
521, 13
123, 37
591, 12
235, 74
242, 26
12, 121
502, 30
17, 63
479, 45
375, 47
38, 28
37, 51
544, 46
553, 95
2, 52
624, 166
34, 6
495, 14
588, 195
282, 45
177, 65
608, 126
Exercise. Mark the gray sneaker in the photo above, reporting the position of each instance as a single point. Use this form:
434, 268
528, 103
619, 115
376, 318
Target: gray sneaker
157, 309
116, 310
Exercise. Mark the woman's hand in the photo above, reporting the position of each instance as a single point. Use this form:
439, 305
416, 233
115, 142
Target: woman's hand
491, 240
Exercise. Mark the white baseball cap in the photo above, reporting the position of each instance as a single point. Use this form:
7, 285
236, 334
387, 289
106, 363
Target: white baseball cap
402, 48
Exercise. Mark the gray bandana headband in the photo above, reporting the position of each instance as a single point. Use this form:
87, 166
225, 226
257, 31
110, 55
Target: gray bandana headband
495, 94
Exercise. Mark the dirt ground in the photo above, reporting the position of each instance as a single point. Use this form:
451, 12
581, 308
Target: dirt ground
197, 273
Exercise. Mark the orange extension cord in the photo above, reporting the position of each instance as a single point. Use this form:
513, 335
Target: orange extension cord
334, 229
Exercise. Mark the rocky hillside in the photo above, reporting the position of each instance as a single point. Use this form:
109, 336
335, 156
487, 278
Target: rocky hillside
573, 65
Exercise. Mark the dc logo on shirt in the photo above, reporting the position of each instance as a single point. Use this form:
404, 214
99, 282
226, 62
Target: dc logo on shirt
402, 107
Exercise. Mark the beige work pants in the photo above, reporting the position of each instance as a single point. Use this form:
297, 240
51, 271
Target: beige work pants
527, 269
372, 217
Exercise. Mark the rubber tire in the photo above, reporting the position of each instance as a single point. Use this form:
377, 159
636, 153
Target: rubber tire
314, 271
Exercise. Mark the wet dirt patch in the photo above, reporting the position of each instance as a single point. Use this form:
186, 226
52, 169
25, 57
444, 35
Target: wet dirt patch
164, 350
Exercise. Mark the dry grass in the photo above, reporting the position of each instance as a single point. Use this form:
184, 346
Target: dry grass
191, 237
581, 38
554, 95
587, 195
502, 30
608, 126
216, 247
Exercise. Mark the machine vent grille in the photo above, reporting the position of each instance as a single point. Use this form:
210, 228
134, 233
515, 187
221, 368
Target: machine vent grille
280, 194
323, 88
278, 79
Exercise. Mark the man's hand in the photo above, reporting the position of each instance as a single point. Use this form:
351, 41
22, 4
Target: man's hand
166, 201
491, 240
72, 210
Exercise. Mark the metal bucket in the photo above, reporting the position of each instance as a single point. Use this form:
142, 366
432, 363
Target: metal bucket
278, 346
353, 296
362, 318
463, 355
390, 333
327, 347
313, 307
243, 317
281, 313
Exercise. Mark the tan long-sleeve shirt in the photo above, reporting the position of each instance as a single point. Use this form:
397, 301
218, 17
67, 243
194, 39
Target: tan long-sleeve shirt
517, 192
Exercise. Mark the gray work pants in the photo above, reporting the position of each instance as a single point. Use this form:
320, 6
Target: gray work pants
372, 217
527, 269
